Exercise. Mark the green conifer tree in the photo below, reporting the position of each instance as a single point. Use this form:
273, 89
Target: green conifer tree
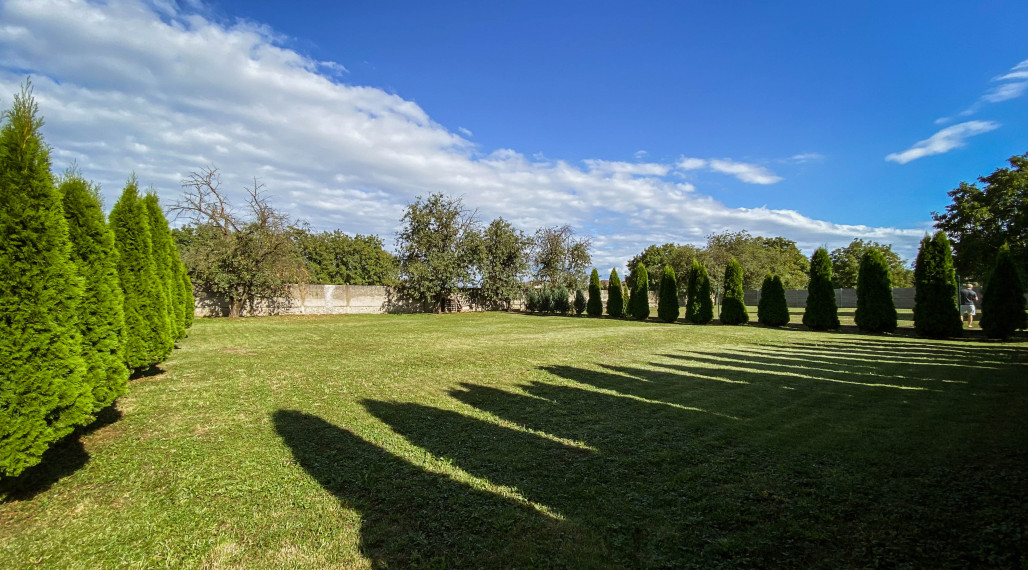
773, 309
699, 307
936, 313
733, 308
1003, 309
148, 333
821, 312
667, 304
101, 318
43, 395
876, 310
187, 297
579, 302
639, 301
164, 254
595, 305
615, 297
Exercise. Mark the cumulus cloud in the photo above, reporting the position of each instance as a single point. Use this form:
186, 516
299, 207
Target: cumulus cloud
943, 141
182, 91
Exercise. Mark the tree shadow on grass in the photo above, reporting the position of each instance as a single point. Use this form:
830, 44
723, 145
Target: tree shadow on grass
61, 460
414, 517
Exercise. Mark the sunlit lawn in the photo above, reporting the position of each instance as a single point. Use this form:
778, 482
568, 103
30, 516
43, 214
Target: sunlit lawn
499, 440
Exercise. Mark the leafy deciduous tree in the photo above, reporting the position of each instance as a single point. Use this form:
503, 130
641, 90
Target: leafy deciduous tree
655, 257
504, 262
559, 257
846, 264
336, 258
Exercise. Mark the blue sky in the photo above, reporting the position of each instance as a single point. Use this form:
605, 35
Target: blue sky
637, 123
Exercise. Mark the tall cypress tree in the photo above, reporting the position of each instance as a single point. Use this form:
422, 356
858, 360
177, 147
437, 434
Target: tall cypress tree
667, 304
101, 318
639, 301
1003, 299
733, 308
43, 395
699, 307
615, 297
876, 310
148, 332
936, 313
821, 312
595, 305
187, 296
773, 309
163, 247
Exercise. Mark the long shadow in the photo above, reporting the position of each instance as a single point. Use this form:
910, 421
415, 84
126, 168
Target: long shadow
61, 460
413, 517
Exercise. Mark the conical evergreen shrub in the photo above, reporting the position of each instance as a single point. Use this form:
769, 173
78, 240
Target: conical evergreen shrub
773, 309
615, 296
1003, 299
733, 308
164, 264
148, 333
545, 300
821, 312
579, 302
936, 309
667, 304
595, 304
43, 395
532, 301
876, 310
639, 302
101, 318
699, 307
561, 301
187, 298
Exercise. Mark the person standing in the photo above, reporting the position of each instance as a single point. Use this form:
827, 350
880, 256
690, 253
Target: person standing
968, 298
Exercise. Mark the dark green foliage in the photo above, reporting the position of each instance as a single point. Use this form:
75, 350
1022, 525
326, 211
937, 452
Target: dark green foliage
545, 300
936, 310
503, 263
561, 302
821, 312
101, 318
667, 305
595, 305
1003, 299
336, 258
876, 310
42, 390
148, 333
162, 249
733, 308
532, 301
639, 300
579, 302
773, 310
846, 264
615, 296
699, 307
187, 299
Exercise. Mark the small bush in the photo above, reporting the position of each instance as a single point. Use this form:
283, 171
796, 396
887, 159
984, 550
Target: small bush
595, 305
615, 297
532, 301
1003, 299
560, 302
545, 300
667, 305
733, 307
579, 302
773, 310
876, 310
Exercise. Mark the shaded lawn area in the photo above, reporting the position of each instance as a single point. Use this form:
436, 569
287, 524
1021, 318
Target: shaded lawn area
500, 440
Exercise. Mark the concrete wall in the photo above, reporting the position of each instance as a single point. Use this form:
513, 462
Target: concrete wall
317, 300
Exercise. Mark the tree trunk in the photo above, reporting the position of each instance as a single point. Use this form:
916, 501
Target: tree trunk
235, 308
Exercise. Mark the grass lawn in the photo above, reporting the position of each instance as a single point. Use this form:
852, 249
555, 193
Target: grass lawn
502, 440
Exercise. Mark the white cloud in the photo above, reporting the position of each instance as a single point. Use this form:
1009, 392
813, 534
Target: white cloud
943, 141
807, 157
182, 91
465, 132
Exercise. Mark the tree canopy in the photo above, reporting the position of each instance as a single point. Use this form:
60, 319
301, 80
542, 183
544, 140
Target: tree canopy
846, 264
336, 258
504, 262
655, 257
981, 220
560, 258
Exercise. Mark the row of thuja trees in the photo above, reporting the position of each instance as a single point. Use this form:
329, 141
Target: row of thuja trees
84, 301
936, 310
